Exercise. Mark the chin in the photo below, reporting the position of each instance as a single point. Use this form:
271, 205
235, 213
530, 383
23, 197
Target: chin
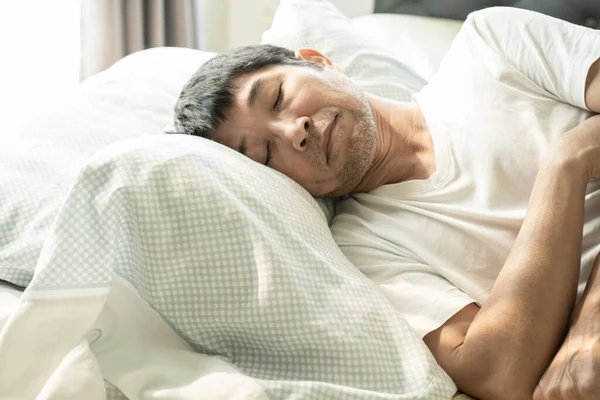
319, 192
337, 192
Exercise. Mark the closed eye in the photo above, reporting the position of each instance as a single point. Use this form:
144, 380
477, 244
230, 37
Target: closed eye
279, 98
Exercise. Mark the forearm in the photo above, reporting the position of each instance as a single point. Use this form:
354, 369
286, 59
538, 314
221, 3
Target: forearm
517, 331
586, 316
588, 309
574, 370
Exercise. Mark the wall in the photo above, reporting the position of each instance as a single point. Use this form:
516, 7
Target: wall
244, 21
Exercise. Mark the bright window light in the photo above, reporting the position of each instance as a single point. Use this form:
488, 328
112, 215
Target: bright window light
39, 52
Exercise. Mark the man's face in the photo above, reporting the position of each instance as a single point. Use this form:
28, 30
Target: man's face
312, 125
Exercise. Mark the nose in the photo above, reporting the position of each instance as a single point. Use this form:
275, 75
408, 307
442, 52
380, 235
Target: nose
297, 132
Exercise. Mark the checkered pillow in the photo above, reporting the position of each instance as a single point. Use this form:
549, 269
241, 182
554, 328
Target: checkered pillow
247, 272
41, 155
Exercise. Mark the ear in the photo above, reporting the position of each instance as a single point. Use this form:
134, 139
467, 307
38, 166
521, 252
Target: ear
315, 56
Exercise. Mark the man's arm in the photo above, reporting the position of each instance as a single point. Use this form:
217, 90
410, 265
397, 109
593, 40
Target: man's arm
553, 54
575, 370
502, 350
574, 373
592, 87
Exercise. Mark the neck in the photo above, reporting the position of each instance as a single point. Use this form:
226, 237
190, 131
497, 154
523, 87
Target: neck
404, 148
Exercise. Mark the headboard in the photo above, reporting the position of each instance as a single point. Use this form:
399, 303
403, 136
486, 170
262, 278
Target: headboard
582, 12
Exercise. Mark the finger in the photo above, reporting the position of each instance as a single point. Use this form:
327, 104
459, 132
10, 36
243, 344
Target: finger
538, 394
552, 391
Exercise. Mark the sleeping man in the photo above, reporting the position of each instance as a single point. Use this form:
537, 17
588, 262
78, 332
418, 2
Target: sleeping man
475, 207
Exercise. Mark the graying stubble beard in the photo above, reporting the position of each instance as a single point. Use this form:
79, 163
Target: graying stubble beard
362, 143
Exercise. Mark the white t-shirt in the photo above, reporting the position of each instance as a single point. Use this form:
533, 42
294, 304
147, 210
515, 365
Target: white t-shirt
512, 82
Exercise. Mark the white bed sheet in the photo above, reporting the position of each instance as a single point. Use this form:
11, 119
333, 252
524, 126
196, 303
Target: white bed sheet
9, 297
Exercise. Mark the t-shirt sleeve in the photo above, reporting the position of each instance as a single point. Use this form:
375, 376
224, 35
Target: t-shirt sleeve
423, 297
553, 54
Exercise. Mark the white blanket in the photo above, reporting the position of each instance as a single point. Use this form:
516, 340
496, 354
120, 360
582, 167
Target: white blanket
176, 269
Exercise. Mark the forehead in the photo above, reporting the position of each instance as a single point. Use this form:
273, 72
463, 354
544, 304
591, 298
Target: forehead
244, 83
245, 86
238, 124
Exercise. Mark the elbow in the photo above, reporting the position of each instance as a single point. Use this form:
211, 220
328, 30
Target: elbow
507, 387
494, 377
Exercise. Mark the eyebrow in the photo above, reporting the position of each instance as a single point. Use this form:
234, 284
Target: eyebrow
254, 92
242, 146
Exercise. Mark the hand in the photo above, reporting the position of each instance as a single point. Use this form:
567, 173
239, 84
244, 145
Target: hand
574, 373
579, 149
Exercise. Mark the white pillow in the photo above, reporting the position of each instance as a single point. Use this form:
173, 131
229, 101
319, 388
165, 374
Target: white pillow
420, 42
319, 25
41, 155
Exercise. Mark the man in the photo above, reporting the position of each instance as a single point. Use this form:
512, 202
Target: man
472, 207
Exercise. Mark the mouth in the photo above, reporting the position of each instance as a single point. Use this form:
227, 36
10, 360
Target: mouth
327, 139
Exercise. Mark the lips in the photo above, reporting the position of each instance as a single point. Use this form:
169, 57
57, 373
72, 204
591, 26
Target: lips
327, 142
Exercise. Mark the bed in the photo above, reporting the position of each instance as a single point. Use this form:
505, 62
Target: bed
133, 243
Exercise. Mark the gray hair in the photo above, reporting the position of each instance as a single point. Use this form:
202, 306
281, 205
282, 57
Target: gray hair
208, 95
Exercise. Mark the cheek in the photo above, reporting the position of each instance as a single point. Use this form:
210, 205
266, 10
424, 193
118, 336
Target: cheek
317, 182
298, 170
317, 92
